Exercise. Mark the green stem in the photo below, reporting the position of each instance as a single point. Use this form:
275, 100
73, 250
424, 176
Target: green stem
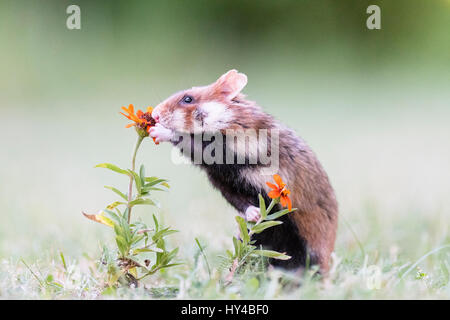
272, 204
133, 165
204, 257
149, 273
269, 208
34, 275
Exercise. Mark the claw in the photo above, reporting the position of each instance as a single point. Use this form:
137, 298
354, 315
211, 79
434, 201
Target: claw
252, 214
160, 133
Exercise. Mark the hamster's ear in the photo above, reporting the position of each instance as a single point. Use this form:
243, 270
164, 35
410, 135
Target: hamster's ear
230, 84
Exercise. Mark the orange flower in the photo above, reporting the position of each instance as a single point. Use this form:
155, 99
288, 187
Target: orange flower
143, 121
280, 191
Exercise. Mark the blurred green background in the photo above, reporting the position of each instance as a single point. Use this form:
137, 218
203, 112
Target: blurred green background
373, 104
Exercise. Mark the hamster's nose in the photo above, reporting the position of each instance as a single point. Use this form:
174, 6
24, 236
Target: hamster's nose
156, 117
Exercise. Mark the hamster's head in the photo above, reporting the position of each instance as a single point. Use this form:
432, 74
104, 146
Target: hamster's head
209, 108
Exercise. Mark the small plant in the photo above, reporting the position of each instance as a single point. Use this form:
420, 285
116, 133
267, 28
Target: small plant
245, 248
135, 241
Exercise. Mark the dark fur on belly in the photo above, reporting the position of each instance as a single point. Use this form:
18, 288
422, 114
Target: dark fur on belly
239, 193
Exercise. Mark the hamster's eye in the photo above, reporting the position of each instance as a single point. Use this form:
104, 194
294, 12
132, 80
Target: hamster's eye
187, 99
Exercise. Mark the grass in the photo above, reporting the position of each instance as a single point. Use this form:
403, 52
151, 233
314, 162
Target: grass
350, 278
389, 168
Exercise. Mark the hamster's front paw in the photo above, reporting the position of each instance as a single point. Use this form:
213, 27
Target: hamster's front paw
160, 133
252, 214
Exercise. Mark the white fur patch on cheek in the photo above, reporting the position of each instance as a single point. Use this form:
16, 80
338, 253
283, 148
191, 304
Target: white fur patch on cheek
197, 126
216, 115
178, 119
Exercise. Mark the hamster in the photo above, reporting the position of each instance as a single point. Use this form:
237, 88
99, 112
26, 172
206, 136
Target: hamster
307, 234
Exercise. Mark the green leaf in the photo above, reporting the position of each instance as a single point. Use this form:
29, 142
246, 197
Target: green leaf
137, 238
118, 230
172, 254
117, 192
278, 214
122, 245
126, 228
163, 233
167, 257
159, 255
165, 184
142, 174
125, 215
113, 168
171, 265
264, 225
272, 254
113, 215
137, 181
237, 247
113, 279
145, 190
63, 260
243, 228
140, 250
133, 272
151, 179
262, 207
114, 204
155, 182
252, 285
100, 218
250, 224
142, 201
156, 223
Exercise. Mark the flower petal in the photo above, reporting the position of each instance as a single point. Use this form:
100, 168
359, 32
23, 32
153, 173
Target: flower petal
125, 115
271, 185
134, 118
283, 201
278, 180
274, 194
289, 203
